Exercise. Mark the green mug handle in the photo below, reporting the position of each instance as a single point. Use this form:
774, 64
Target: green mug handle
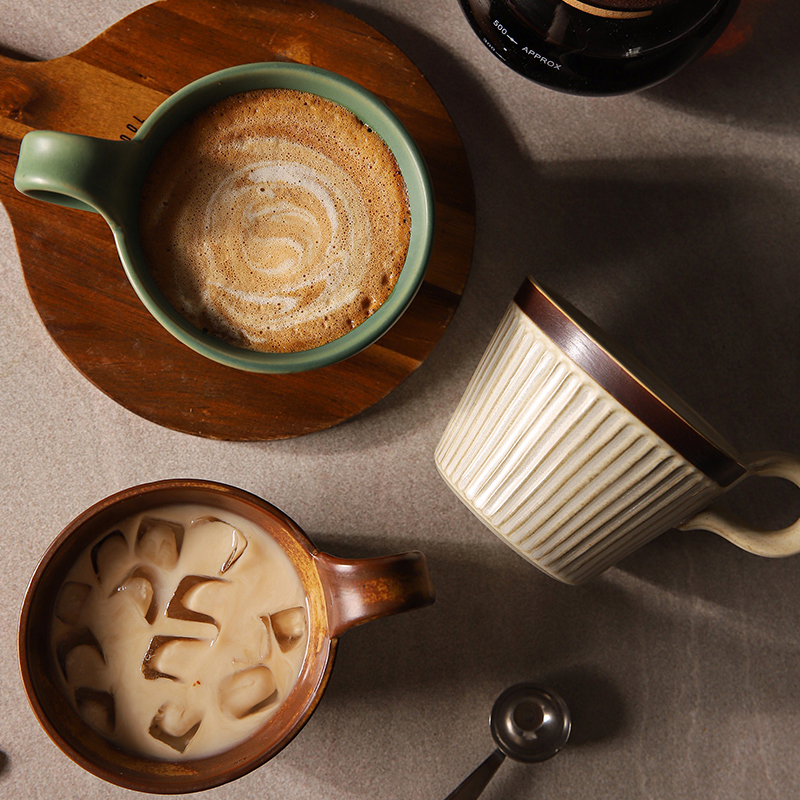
76, 171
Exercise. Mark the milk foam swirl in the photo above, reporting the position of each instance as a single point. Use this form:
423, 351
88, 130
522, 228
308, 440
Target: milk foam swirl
275, 220
299, 231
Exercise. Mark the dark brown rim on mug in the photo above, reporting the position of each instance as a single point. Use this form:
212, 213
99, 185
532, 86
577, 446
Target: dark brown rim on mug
630, 383
336, 601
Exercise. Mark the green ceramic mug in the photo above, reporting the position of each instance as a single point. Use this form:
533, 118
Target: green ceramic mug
107, 176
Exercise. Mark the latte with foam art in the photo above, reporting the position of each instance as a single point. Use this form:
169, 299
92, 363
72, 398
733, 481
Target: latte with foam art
275, 220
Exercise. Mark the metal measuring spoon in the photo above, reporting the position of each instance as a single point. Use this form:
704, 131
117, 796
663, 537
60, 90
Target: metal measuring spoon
528, 724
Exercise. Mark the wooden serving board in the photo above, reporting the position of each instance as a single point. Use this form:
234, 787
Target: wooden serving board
73, 274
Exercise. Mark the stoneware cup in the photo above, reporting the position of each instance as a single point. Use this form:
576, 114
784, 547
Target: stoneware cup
107, 177
340, 593
575, 457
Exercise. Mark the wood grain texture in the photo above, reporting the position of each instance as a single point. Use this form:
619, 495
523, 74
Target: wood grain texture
69, 260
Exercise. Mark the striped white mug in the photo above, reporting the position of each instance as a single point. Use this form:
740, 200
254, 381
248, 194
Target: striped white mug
575, 459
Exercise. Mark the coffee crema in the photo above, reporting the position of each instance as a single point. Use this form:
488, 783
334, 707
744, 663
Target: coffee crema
275, 220
180, 632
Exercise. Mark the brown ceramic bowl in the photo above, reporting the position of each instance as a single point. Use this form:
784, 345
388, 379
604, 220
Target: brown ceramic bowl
339, 593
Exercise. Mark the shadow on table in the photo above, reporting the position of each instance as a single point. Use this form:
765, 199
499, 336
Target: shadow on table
686, 261
604, 646
683, 259
751, 76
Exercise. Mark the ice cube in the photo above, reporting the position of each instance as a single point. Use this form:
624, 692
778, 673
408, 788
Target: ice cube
148, 669
175, 657
77, 638
84, 665
137, 588
194, 597
262, 643
109, 557
247, 691
159, 542
289, 627
175, 725
97, 709
71, 599
238, 546
225, 543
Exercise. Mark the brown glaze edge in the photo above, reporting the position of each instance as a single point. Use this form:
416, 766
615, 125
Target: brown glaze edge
624, 387
365, 589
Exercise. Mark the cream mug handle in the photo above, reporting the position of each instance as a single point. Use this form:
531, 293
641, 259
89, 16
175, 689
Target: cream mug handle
761, 542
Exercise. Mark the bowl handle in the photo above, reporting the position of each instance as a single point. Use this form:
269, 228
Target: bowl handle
761, 542
363, 589
76, 171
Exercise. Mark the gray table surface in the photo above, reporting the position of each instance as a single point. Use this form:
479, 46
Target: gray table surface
671, 217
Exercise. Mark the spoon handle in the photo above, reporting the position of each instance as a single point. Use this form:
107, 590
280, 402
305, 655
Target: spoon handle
476, 781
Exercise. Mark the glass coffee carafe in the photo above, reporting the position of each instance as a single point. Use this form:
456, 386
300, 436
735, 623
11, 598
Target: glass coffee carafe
598, 47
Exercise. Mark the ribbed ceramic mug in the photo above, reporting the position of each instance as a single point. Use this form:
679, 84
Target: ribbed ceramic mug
339, 594
575, 458
107, 177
